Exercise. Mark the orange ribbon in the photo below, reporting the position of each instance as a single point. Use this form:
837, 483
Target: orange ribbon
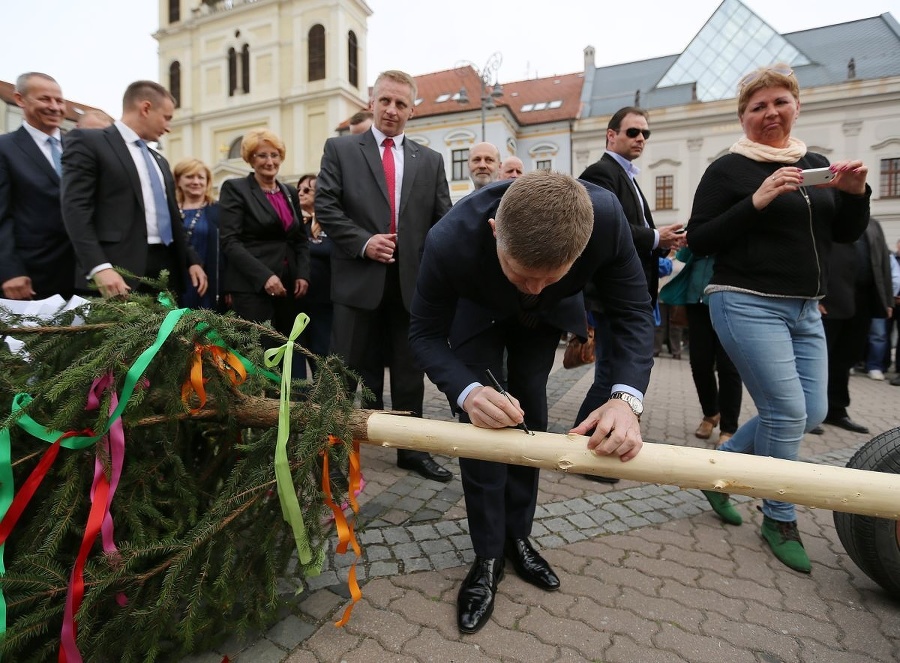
224, 360
346, 535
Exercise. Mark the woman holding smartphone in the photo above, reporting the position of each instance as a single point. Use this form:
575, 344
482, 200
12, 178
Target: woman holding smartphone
771, 234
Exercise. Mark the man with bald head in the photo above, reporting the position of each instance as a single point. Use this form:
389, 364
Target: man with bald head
511, 168
484, 164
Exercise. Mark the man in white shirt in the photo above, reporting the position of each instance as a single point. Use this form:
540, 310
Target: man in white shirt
119, 202
36, 257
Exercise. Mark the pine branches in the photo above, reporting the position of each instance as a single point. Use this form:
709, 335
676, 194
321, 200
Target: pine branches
199, 531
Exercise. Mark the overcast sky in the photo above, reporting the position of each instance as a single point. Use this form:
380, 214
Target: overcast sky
94, 48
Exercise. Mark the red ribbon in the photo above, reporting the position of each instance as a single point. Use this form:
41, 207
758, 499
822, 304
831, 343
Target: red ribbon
26, 492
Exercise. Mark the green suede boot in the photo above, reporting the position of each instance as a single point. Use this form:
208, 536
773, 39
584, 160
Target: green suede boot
784, 539
723, 506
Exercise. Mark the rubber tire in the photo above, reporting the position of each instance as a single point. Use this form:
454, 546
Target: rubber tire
874, 543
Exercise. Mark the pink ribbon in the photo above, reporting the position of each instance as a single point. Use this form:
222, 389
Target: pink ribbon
113, 445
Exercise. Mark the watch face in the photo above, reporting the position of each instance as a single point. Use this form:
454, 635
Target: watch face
634, 403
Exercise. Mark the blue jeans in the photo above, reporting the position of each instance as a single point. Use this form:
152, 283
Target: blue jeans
878, 345
778, 347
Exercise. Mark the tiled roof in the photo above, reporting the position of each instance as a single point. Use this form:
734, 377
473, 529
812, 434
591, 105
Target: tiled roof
544, 100
7, 91
873, 43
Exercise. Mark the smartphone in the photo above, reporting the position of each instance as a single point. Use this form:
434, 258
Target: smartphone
815, 176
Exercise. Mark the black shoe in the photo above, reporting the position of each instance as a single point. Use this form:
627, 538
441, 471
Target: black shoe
896, 380
599, 479
427, 468
847, 424
530, 566
475, 601
818, 430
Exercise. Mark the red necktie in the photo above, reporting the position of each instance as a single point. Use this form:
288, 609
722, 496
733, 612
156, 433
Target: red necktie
390, 176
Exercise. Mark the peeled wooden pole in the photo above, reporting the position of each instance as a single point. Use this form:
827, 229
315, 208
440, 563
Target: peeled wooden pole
821, 486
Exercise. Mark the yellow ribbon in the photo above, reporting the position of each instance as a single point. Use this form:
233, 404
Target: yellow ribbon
287, 494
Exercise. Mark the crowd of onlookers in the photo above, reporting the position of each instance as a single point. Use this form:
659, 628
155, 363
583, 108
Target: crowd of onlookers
763, 259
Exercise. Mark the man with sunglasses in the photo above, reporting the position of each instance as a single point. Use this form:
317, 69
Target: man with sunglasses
626, 135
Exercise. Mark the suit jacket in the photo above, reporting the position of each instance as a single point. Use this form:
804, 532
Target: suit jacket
33, 239
254, 241
611, 176
352, 204
462, 291
850, 294
103, 205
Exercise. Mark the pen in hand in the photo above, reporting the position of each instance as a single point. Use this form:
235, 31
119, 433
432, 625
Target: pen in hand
496, 385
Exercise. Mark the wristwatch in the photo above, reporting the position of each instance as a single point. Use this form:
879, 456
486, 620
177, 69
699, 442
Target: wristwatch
632, 401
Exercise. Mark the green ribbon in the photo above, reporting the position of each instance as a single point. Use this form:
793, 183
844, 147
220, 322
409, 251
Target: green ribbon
33, 428
287, 494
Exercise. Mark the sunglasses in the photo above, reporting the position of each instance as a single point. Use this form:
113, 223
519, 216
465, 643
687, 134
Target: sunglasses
307, 189
633, 132
782, 70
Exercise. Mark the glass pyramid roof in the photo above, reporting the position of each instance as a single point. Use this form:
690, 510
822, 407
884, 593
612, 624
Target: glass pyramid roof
733, 42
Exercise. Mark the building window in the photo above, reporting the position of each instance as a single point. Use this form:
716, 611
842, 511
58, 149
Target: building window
543, 164
245, 68
665, 192
175, 82
234, 150
460, 161
239, 71
316, 52
890, 178
232, 72
174, 11
352, 59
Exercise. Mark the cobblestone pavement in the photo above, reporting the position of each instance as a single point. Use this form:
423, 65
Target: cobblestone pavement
648, 572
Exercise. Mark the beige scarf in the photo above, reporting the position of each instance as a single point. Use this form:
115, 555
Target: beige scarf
795, 151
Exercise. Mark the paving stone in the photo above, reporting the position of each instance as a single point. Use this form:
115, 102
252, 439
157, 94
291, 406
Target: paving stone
290, 632
396, 535
377, 553
436, 546
383, 569
423, 532
404, 551
261, 652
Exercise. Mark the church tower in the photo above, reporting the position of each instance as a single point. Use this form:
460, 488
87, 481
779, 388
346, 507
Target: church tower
297, 67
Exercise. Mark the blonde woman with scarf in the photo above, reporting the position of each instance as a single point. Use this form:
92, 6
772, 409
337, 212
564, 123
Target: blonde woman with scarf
771, 236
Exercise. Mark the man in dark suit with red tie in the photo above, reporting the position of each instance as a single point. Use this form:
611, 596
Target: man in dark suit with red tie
377, 195
501, 279
119, 202
36, 257
626, 136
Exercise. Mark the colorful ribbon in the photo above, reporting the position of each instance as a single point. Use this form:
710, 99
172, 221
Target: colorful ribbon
227, 363
287, 493
346, 535
11, 506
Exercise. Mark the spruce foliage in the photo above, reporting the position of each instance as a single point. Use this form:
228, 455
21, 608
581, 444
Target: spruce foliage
200, 535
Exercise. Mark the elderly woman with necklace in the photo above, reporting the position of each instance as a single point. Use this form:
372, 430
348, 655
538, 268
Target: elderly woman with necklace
200, 217
263, 238
772, 235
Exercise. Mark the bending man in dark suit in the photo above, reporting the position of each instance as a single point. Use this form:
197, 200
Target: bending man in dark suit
118, 198
626, 135
378, 230
36, 257
504, 270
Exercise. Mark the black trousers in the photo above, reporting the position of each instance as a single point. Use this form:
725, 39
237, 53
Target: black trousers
370, 340
709, 359
846, 340
280, 311
501, 498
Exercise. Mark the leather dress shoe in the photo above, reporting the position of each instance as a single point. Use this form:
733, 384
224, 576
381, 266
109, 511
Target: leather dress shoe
475, 601
818, 430
847, 424
600, 479
530, 566
427, 468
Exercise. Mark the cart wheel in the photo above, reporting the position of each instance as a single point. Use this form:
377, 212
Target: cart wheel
874, 543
